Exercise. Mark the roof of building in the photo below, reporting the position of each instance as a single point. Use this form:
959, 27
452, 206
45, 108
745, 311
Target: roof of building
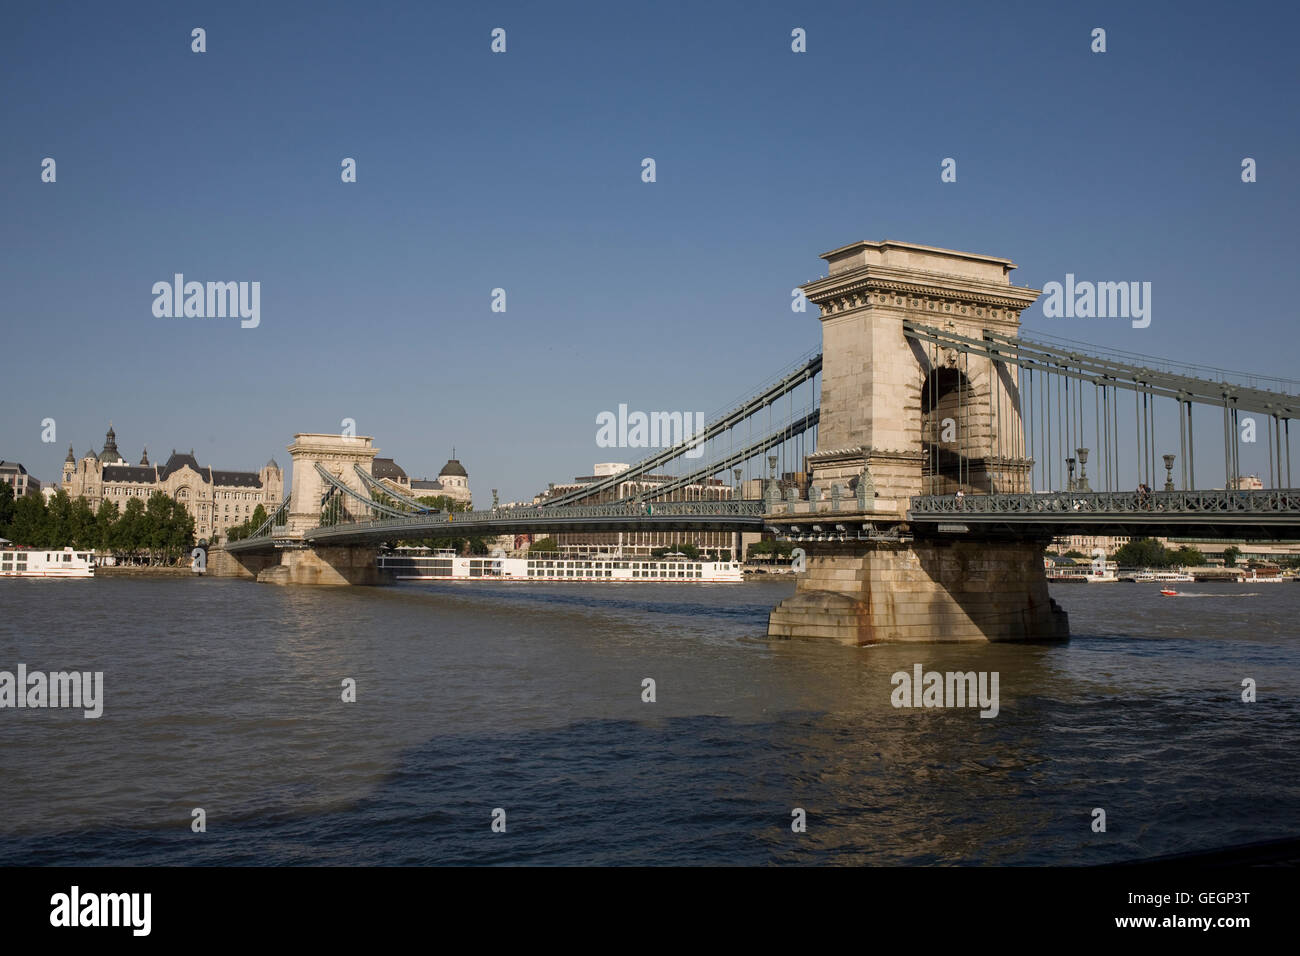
387, 468
176, 462
273, 464
453, 467
425, 484
144, 459
13, 466
91, 454
136, 473
238, 479
71, 457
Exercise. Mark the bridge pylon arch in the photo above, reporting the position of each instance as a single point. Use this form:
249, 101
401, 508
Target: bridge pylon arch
338, 454
876, 381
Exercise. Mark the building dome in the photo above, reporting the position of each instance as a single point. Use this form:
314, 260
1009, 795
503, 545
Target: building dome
90, 454
71, 458
387, 468
144, 459
453, 468
272, 464
109, 454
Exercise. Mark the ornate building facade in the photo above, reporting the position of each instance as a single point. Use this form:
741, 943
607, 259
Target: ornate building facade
217, 500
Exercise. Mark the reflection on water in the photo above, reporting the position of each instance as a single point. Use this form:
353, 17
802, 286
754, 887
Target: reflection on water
226, 695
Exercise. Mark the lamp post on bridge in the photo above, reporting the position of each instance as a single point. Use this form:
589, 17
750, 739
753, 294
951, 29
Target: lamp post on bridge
1083, 470
1069, 482
1169, 472
736, 472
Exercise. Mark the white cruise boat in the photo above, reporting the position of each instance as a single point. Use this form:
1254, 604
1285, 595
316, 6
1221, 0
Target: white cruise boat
1162, 577
37, 563
1084, 573
419, 564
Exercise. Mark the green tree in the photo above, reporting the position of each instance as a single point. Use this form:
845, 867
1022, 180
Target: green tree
6, 508
444, 503
84, 532
180, 539
58, 524
107, 516
30, 524
543, 544
1230, 556
129, 531
258, 519
1188, 557
157, 515
1143, 553
764, 548
241, 531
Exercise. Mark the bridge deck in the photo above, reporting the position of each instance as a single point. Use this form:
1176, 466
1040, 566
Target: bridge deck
1261, 515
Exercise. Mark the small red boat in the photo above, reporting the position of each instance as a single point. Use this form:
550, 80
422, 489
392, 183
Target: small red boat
1169, 592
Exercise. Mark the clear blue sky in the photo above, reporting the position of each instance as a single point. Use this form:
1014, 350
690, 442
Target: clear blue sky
522, 171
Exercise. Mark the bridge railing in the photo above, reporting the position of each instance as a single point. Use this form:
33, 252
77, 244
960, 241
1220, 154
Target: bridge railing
1110, 502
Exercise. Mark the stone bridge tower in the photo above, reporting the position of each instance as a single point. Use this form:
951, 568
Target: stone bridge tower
924, 421
337, 453
902, 418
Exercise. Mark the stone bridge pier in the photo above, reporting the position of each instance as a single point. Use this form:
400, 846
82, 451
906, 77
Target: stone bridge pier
899, 419
295, 561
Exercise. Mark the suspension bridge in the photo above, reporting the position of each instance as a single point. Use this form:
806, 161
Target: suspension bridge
923, 459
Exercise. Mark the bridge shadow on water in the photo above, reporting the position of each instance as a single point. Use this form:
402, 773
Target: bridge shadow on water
936, 789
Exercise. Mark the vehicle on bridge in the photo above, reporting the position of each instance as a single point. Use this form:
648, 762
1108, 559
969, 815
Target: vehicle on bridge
423, 564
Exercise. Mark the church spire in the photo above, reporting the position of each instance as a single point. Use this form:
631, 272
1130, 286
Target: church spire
109, 455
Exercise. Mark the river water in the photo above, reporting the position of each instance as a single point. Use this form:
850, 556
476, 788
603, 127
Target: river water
227, 696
